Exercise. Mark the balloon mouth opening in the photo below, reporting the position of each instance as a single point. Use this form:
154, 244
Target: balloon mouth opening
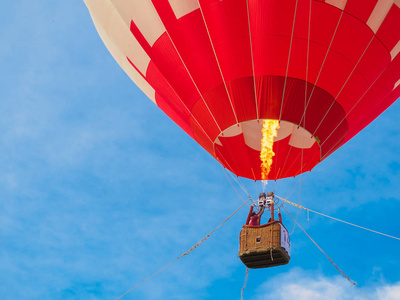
294, 149
298, 136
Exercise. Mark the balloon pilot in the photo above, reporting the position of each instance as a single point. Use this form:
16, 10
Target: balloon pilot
264, 200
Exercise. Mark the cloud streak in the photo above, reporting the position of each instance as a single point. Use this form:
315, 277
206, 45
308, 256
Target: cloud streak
306, 285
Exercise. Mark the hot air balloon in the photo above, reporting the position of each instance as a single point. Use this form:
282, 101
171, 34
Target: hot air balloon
219, 68
270, 88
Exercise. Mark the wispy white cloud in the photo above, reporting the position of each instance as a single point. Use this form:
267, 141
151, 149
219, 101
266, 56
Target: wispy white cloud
313, 285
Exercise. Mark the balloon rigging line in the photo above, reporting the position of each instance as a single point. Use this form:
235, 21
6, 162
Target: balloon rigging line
335, 265
185, 253
288, 62
294, 187
245, 283
298, 208
348, 223
219, 66
348, 78
222, 155
240, 186
176, 93
190, 75
252, 59
359, 100
287, 71
304, 121
349, 112
323, 62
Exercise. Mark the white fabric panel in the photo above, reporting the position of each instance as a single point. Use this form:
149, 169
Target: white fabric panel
125, 9
379, 14
146, 18
217, 141
120, 42
395, 50
301, 138
144, 15
234, 130
183, 7
396, 84
285, 129
337, 3
252, 132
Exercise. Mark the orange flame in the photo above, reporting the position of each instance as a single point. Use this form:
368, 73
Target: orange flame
269, 131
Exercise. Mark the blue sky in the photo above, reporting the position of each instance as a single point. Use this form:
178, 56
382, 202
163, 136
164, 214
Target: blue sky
99, 189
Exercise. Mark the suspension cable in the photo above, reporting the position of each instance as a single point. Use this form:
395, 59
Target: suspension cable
243, 188
298, 209
348, 223
185, 253
245, 283
326, 255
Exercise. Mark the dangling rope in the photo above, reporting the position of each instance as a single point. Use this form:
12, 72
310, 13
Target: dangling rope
185, 253
348, 223
298, 209
245, 282
241, 185
335, 265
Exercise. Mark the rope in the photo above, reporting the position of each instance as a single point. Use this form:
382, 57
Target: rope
252, 59
298, 209
236, 190
219, 65
243, 187
245, 282
185, 253
335, 265
348, 223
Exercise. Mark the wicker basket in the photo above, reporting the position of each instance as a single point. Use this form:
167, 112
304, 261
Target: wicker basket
260, 246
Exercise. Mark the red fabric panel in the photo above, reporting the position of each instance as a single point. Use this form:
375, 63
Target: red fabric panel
352, 38
374, 61
234, 154
324, 20
227, 23
176, 113
168, 66
202, 114
386, 32
352, 91
244, 161
302, 20
190, 37
166, 58
243, 97
211, 73
370, 105
380, 108
269, 99
271, 17
270, 55
395, 67
201, 137
218, 102
360, 9
323, 113
292, 161
334, 73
